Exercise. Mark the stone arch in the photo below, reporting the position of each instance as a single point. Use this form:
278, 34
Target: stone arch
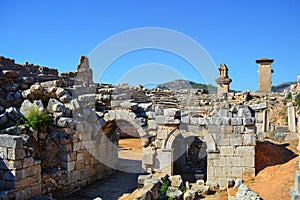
208, 138
128, 116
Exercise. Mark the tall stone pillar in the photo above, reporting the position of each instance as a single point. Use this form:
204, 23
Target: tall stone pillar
291, 118
264, 74
223, 80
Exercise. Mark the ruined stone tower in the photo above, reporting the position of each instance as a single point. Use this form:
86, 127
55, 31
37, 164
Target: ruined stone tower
84, 72
264, 74
223, 80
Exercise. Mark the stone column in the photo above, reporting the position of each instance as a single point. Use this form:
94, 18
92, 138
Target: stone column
291, 118
266, 121
264, 74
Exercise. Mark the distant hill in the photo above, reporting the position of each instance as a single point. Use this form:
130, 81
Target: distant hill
282, 86
185, 84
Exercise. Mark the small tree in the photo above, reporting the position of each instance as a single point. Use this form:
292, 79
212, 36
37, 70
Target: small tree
37, 119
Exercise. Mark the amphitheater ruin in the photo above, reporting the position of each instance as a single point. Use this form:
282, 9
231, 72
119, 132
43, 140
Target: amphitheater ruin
210, 136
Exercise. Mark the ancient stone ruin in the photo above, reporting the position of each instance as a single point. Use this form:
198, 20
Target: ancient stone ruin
264, 74
183, 132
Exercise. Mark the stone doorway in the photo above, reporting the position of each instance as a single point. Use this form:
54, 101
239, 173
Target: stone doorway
190, 158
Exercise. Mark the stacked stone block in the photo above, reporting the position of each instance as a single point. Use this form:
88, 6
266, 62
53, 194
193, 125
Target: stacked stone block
20, 172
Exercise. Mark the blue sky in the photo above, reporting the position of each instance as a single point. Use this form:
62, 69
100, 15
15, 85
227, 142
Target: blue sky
56, 33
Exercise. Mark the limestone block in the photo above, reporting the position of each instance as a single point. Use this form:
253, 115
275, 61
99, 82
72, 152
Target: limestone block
218, 171
226, 130
55, 106
11, 141
214, 129
65, 98
245, 151
185, 120
233, 161
176, 181
65, 122
143, 178
248, 161
237, 172
19, 174
194, 121
226, 121
282, 129
236, 140
226, 150
215, 121
152, 124
36, 89
203, 121
15, 154
236, 121
249, 140
244, 112
148, 158
174, 192
60, 91
26, 93
250, 129
222, 140
14, 114
171, 112
227, 172
260, 106
224, 113
222, 162
28, 162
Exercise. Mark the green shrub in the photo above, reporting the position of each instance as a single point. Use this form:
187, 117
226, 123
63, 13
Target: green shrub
182, 189
163, 189
297, 101
37, 119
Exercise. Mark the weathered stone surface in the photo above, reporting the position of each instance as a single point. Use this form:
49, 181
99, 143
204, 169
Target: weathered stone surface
282, 129
171, 112
174, 192
14, 114
260, 106
152, 124
176, 181
245, 192
236, 121
65, 122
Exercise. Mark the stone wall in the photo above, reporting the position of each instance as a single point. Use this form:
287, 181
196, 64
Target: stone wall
230, 144
20, 171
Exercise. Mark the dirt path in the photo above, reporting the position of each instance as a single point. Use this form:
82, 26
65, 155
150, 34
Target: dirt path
123, 182
108, 189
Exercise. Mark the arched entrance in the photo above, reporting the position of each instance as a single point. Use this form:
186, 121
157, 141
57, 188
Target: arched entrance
189, 155
129, 144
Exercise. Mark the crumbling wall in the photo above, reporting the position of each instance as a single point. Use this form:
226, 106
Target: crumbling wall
20, 171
